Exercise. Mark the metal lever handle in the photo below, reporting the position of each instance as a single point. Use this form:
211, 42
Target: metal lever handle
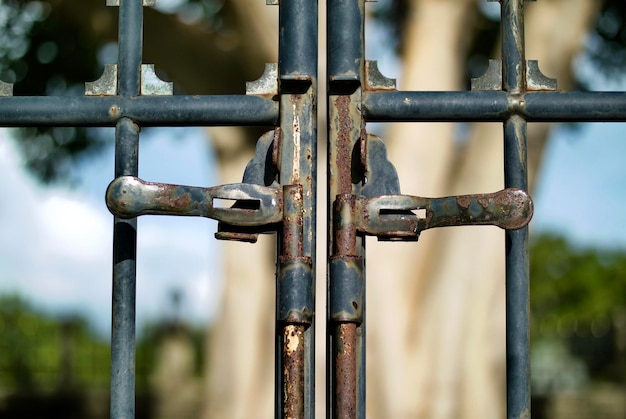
129, 196
392, 216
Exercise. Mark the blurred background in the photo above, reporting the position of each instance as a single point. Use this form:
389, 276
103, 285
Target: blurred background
55, 246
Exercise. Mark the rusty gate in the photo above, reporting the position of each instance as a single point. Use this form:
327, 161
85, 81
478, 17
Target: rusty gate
277, 193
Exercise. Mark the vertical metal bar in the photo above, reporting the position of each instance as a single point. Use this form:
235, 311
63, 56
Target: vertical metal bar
515, 174
130, 47
295, 331
125, 231
345, 335
124, 285
513, 50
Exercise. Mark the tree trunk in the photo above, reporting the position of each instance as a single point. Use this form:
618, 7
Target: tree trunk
436, 316
436, 312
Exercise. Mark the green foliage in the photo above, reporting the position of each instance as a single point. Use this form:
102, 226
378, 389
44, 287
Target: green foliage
42, 53
574, 289
608, 45
39, 353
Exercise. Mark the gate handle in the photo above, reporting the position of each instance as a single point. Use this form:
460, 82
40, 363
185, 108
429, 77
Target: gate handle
391, 216
254, 205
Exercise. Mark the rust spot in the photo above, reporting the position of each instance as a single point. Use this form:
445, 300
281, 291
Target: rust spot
237, 236
276, 148
345, 234
484, 201
344, 144
464, 201
293, 224
114, 111
293, 371
520, 207
345, 371
178, 204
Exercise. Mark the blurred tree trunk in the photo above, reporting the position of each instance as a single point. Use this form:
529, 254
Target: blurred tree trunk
436, 314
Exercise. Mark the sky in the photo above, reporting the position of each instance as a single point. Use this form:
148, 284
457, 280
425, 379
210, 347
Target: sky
56, 242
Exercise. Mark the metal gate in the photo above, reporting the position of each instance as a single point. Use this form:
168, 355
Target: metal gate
278, 189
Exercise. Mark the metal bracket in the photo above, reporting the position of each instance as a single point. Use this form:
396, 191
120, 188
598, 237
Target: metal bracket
404, 217
260, 170
144, 3
536, 80
6, 89
106, 85
151, 85
374, 79
381, 177
492, 79
267, 85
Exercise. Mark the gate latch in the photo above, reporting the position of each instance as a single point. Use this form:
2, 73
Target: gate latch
404, 217
254, 205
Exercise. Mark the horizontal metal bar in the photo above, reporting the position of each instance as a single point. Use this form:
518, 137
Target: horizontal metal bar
494, 106
226, 110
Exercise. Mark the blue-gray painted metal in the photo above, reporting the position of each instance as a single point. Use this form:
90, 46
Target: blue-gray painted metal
297, 54
124, 283
147, 111
345, 40
346, 289
297, 167
125, 232
494, 106
514, 82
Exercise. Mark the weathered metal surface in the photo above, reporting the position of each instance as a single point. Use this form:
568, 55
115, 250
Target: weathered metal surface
374, 79
129, 197
293, 371
294, 154
492, 106
262, 169
345, 373
391, 216
381, 177
147, 111
124, 283
6, 89
346, 289
267, 85
515, 175
536, 80
346, 176
106, 85
491, 80
295, 281
151, 85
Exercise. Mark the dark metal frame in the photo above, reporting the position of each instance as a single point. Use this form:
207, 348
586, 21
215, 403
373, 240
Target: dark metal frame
278, 189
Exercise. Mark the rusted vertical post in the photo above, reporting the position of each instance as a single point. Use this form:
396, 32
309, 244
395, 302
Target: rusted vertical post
297, 66
294, 304
346, 332
515, 175
346, 304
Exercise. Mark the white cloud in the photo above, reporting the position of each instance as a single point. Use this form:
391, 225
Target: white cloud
56, 243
